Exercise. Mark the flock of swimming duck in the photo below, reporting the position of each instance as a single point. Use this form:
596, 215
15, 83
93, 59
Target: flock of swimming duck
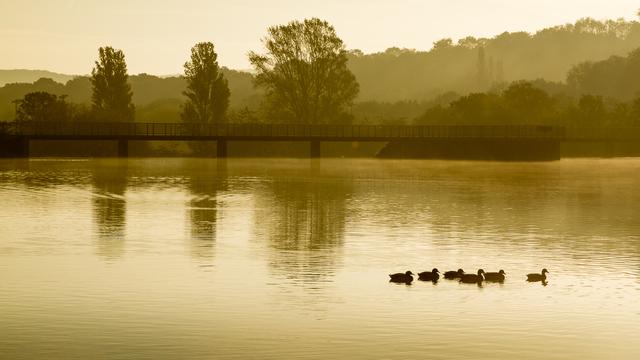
460, 275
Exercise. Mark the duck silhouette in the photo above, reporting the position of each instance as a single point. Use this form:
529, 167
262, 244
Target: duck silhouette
432, 275
405, 277
451, 275
495, 276
538, 277
473, 278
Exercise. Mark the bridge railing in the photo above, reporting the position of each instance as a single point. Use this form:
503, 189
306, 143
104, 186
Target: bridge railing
194, 130
301, 131
602, 133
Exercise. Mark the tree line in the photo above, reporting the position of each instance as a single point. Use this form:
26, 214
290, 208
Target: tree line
525, 102
303, 74
306, 75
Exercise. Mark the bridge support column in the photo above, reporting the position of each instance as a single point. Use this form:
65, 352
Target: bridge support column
609, 149
221, 148
14, 147
314, 151
23, 148
123, 148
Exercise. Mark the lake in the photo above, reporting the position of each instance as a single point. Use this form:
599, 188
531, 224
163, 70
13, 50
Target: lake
289, 259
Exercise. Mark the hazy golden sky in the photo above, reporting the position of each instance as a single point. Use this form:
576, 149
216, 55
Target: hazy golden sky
63, 35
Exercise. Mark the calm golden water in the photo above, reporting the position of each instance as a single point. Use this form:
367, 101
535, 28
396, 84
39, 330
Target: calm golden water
288, 259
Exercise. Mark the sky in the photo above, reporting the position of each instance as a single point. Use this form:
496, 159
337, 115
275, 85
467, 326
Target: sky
64, 35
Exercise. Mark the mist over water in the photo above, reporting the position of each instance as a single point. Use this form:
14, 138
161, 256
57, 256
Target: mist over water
275, 259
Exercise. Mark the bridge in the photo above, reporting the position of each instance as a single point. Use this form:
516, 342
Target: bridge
20, 133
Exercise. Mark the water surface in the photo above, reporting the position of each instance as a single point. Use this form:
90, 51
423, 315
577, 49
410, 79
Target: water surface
277, 259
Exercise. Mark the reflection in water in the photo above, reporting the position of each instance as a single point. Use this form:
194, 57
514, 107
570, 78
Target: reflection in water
109, 208
304, 251
205, 183
536, 206
304, 221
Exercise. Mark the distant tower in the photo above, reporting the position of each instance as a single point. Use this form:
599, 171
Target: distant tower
491, 72
499, 72
481, 70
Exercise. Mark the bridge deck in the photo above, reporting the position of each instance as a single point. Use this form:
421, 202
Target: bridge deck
186, 131
295, 132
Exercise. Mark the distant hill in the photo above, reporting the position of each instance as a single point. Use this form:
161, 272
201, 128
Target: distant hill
476, 64
30, 76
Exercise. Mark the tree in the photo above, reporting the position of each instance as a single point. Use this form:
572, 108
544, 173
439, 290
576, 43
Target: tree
207, 89
111, 90
304, 73
442, 44
592, 110
478, 108
528, 104
469, 42
635, 111
42, 106
615, 77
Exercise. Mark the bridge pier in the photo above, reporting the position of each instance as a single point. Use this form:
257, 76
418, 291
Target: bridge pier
14, 147
221, 147
609, 149
123, 148
314, 151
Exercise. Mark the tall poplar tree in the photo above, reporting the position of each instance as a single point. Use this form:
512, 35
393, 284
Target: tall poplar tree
482, 76
207, 89
112, 93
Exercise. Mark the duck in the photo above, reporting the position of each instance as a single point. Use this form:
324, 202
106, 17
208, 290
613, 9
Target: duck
451, 275
473, 278
405, 277
495, 276
538, 277
432, 275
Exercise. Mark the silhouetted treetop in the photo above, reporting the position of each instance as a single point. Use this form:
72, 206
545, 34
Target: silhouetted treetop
42, 106
111, 91
207, 89
304, 72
